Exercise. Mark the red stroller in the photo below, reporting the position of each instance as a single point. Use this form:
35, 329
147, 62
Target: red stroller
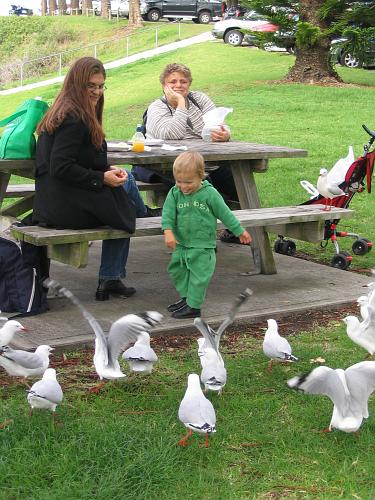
353, 181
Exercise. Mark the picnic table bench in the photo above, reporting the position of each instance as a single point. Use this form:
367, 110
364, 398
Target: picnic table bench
245, 159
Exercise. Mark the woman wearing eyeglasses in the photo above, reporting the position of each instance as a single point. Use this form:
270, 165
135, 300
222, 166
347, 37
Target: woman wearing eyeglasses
75, 186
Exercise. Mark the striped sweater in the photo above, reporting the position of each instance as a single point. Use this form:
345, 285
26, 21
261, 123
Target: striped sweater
162, 125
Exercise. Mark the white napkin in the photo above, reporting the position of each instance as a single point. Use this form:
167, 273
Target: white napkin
168, 147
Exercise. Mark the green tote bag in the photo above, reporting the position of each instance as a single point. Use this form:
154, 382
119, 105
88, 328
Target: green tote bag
18, 139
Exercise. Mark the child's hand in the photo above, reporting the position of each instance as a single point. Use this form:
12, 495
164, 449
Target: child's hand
169, 239
245, 238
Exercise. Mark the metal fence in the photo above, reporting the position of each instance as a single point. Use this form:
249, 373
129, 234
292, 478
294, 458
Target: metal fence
106, 50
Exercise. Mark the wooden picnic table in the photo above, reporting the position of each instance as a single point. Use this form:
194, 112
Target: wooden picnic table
245, 159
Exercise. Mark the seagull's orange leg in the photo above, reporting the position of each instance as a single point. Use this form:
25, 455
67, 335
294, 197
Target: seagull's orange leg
326, 430
269, 368
183, 441
205, 444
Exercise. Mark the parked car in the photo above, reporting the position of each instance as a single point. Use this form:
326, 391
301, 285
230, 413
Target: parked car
120, 8
238, 11
340, 54
230, 29
20, 11
199, 11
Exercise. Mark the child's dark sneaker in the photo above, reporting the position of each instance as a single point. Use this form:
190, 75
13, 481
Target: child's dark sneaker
176, 305
186, 312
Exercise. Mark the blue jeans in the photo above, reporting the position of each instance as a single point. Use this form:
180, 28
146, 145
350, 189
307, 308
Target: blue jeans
115, 252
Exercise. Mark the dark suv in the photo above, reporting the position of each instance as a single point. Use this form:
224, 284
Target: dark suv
20, 11
198, 11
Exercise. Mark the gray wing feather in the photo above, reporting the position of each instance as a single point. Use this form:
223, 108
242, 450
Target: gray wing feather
213, 337
99, 334
23, 358
124, 332
324, 380
241, 299
48, 389
141, 352
360, 379
208, 333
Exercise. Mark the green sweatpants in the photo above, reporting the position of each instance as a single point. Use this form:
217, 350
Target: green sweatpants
191, 270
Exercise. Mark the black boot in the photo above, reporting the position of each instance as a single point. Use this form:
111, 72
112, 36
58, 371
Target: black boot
176, 305
113, 287
186, 312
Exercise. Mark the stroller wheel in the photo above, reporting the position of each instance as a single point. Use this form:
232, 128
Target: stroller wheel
341, 260
361, 246
288, 247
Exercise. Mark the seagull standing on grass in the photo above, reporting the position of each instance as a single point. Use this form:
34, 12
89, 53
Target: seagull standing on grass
348, 390
122, 333
45, 394
363, 302
214, 373
362, 333
141, 357
18, 363
8, 330
328, 189
196, 411
276, 347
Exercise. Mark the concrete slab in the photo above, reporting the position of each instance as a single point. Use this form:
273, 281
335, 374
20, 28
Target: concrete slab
298, 286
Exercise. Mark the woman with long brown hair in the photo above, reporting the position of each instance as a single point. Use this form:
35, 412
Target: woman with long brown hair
75, 187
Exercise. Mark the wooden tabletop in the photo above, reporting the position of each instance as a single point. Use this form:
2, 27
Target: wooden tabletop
212, 151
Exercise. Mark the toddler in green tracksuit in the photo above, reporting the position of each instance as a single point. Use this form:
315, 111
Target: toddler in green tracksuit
189, 224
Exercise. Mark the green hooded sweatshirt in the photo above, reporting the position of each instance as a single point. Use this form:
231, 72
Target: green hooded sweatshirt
192, 218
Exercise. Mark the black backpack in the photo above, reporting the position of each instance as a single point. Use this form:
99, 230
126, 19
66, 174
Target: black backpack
163, 99
23, 268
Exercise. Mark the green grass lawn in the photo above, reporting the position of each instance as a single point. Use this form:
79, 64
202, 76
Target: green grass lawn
122, 443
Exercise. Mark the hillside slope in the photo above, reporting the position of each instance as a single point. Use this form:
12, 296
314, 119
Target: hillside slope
25, 38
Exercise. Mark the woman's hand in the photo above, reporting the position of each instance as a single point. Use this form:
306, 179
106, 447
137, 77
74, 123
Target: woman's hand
174, 99
169, 239
115, 177
221, 134
245, 238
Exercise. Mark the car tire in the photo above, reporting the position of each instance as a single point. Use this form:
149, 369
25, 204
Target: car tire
153, 15
350, 61
233, 37
204, 17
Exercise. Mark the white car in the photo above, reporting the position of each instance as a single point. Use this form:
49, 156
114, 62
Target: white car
230, 29
120, 7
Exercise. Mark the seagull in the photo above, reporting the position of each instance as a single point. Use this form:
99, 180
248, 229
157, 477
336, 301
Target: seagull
45, 394
141, 357
8, 330
18, 363
276, 347
122, 333
214, 373
362, 333
196, 412
348, 389
363, 302
328, 189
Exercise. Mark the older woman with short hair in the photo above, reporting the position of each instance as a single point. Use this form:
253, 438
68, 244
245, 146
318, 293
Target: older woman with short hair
179, 115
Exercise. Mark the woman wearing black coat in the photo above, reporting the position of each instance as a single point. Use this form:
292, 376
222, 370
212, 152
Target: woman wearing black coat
75, 187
